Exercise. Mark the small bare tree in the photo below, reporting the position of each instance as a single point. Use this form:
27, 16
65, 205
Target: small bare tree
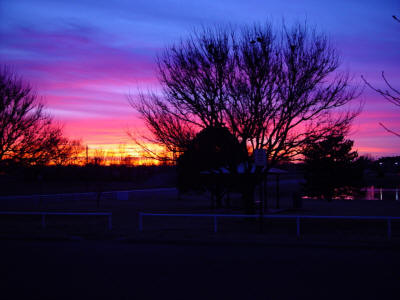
27, 134
276, 91
99, 157
65, 151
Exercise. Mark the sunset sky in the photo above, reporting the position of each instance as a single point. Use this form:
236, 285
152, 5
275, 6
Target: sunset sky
84, 57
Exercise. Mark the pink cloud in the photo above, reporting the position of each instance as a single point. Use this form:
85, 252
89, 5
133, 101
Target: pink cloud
55, 57
85, 75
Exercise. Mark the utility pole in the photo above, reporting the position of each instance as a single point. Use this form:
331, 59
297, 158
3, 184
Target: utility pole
260, 160
87, 154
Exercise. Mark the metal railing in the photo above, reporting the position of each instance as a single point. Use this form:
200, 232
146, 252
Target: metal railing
296, 217
47, 213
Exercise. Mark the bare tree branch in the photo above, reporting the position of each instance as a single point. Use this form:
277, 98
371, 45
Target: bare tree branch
391, 94
27, 134
272, 90
388, 130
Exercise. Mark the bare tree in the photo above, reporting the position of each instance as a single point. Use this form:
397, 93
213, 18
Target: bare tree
27, 134
391, 94
166, 129
65, 151
99, 157
286, 88
273, 90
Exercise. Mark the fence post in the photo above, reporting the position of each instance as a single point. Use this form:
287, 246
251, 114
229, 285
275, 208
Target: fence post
109, 222
397, 194
215, 224
43, 221
140, 222
389, 229
298, 227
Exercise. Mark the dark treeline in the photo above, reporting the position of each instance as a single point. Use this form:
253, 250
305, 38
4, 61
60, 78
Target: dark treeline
89, 178
380, 172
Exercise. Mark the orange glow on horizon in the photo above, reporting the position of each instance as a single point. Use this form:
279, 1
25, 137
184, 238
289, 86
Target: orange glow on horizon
120, 154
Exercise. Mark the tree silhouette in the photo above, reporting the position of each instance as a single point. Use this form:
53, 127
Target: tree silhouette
27, 134
273, 90
65, 151
212, 148
210, 162
330, 167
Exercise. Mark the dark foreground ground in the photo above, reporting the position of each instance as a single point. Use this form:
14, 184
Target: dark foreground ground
182, 258
123, 270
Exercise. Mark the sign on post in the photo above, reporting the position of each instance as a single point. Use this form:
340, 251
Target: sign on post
260, 157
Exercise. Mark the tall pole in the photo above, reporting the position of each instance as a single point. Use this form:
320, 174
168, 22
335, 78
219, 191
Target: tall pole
277, 191
266, 191
87, 154
261, 191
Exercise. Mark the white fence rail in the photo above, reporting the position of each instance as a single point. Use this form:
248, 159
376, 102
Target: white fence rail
58, 213
296, 217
